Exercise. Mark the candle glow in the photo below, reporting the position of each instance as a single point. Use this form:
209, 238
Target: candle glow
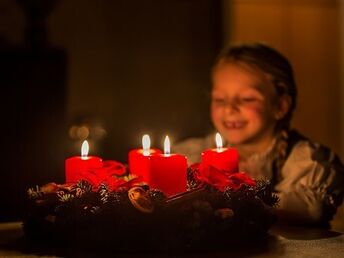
146, 145
84, 149
167, 146
219, 143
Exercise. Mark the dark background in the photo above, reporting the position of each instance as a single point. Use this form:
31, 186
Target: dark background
142, 67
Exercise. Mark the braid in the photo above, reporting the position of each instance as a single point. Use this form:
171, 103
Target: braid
281, 151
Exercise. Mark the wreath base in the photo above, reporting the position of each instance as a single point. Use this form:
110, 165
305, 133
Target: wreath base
202, 219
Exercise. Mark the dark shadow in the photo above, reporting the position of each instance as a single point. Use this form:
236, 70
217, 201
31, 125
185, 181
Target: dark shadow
33, 86
303, 233
265, 245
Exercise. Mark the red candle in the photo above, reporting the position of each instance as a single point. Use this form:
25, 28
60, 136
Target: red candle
76, 167
226, 159
139, 159
168, 171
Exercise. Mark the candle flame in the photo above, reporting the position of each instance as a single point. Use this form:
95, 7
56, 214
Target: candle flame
167, 146
146, 144
218, 140
84, 149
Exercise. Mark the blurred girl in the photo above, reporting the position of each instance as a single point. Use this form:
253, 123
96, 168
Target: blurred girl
253, 97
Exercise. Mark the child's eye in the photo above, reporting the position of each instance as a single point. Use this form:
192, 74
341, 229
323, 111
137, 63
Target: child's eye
218, 101
248, 99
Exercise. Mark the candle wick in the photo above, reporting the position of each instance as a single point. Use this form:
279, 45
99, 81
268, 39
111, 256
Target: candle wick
146, 152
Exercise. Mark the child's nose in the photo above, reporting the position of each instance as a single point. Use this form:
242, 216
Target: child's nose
232, 106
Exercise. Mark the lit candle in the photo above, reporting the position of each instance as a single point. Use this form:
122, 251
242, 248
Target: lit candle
139, 159
226, 159
168, 171
76, 167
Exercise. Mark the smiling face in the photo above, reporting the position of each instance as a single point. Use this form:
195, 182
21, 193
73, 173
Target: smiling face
244, 106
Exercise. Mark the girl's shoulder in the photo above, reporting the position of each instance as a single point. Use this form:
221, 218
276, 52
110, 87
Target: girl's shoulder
301, 148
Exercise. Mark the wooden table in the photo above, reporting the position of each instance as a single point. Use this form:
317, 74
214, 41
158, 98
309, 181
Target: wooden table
283, 241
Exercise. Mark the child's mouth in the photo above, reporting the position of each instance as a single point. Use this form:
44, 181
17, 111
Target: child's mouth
234, 124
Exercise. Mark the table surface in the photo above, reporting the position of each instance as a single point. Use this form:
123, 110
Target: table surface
283, 241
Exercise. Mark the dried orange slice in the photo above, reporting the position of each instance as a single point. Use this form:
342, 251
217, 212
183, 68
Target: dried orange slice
224, 213
50, 218
140, 199
49, 188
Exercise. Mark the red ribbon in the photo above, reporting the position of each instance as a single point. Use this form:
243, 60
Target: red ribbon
221, 178
108, 174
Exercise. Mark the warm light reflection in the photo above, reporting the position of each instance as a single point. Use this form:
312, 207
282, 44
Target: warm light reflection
84, 149
219, 143
79, 132
167, 146
146, 145
83, 132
